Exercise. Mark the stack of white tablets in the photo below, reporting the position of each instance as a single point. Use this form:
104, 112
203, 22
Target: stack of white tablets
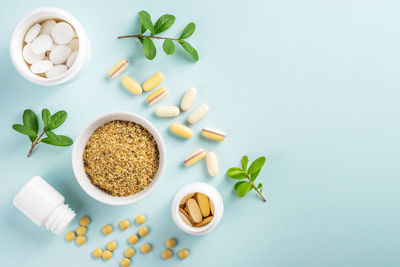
51, 48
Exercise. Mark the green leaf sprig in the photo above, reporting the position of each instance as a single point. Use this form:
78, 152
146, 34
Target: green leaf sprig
30, 127
161, 25
250, 174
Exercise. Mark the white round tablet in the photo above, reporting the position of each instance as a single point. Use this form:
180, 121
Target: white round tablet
56, 71
62, 33
41, 44
32, 33
41, 66
74, 44
47, 26
71, 59
59, 54
29, 56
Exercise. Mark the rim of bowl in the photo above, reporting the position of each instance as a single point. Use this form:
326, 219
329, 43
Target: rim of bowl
77, 160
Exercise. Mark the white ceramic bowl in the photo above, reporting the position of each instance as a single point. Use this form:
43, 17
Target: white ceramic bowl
79, 147
40, 15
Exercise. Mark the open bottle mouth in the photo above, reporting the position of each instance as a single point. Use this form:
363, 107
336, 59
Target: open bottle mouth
60, 219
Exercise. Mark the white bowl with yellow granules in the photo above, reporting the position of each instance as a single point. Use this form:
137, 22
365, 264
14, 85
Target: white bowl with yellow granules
119, 158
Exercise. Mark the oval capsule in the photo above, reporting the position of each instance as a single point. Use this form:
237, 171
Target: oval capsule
153, 81
181, 130
167, 111
132, 85
188, 98
213, 134
198, 114
194, 157
212, 164
118, 68
157, 95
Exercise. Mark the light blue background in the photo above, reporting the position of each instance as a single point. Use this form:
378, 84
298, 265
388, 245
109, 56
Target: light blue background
312, 84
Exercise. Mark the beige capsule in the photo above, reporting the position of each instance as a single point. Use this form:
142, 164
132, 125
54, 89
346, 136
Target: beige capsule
194, 157
167, 111
118, 68
205, 221
181, 130
213, 134
132, 85
194, 210
153, 81
188, 99
198, 114
212, 164
204, 204
157, 95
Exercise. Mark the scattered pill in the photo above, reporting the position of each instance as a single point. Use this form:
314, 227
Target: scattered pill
153, 81
145, 248
84, 221
194, 210
140, 219
198, 114
212, 209
167, 111
80, 240
204, 204
213, 134
71, 58
70, 236
47, 26
125, 262
41, 44
183, 253
41, 66
185, 198
205, 221
59, 54
32, 33
74, 44
181, 130
143, 231
194, 157
133, 239
212, 164
170, 243
31, 57
131, 85
107, 255
81, 230
185, 217
166, 254
118, 68
188, 99
97, 253
129, 252
62, 33
107, 229
124, 224
157, 95
111, 246
56, 71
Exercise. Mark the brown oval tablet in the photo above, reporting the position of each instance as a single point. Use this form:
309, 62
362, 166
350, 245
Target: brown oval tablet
204, 205
205, 221
194, 210
212, 209
185, 198
186, 218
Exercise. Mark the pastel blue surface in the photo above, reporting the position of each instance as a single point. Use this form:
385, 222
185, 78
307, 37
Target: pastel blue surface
313, 85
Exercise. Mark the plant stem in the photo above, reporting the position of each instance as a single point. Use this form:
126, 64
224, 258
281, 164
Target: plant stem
35, 143
149, 36
255, 188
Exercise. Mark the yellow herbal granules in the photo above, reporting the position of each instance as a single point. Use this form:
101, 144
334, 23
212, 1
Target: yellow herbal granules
121, 158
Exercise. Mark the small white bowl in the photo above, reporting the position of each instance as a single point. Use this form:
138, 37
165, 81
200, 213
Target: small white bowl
40, 15
79, 147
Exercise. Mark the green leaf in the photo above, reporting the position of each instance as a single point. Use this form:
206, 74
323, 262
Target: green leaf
46, 117
142, 29
24, 130
52, 135
253, 176
31, 122
169, 47
243, 189
148, 48
256, 165
260, 187
245, 161
236, 173
61, 141
238, 184
57, 119
188, 31
190, 49
164, 23
145, 20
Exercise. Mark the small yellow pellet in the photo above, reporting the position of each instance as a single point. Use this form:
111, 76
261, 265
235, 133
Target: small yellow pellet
145, 248
84, 221
124, 224
107, 255
80, 240
194, 157
118, 68
153, 81
70, 236
140, 219
143, 231
131, 85
133, 239
107, 229
97, 253
183, 253
166, 254
80, 230
170, 243
125, 262
157, 95
111, 246
129, 252
181, 130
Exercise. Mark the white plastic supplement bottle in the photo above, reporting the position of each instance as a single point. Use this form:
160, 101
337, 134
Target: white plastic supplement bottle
41, 203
